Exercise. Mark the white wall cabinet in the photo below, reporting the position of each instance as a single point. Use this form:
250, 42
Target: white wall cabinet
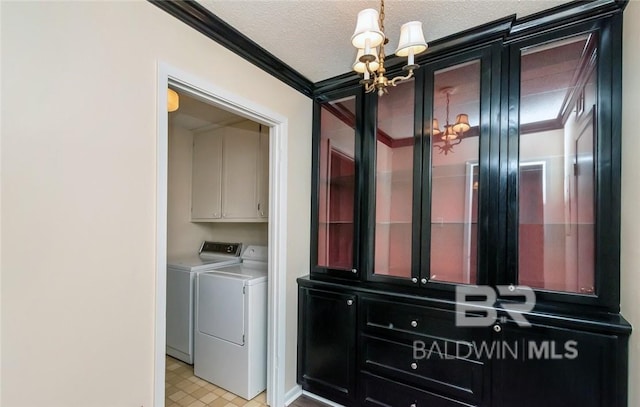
206, 176
263, 173
227, 178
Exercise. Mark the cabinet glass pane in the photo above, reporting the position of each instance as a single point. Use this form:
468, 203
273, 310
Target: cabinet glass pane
337, 184
454, 173
558, 94
394, 181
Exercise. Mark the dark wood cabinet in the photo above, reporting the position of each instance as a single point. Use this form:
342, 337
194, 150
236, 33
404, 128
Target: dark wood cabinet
410, 351
559, 366
327, 343
493, 179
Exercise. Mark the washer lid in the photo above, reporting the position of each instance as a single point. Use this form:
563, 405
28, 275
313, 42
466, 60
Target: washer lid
252, 275
193, 263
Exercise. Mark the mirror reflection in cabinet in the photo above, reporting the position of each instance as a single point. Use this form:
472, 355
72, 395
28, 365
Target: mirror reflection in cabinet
454, 173
558, 93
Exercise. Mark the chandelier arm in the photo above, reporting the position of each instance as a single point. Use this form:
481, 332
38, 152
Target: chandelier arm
397, 79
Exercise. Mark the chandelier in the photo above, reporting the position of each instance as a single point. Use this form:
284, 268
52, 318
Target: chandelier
452, 133
369, 38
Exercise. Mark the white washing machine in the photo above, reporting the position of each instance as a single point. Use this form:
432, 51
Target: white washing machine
231, 325
181, 280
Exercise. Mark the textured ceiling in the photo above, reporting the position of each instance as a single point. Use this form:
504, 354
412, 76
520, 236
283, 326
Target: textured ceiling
314, 36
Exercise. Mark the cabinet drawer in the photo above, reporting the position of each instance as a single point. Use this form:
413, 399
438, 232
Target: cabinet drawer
380, 392
455, 377
385, 318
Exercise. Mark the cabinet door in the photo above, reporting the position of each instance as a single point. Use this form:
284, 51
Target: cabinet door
335, 210
562, 217
239, 170
396, 200
206, 178
456, 172
554, 367
326, 344
263, 173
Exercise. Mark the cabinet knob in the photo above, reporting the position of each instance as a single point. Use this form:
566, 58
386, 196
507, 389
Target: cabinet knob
215, 214
413, 405
414, 366
414, 323
497, 328
354, 271
349, 302
423, 281
414, 280
224, 215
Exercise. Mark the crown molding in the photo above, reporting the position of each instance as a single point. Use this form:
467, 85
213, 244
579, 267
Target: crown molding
207, 23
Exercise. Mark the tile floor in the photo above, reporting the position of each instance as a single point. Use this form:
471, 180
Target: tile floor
183, 389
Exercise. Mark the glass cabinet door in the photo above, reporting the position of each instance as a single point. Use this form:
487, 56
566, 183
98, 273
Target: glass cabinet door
336, 186
556, 171
394, 175
453, 155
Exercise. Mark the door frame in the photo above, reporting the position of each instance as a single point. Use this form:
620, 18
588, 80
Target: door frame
277, 232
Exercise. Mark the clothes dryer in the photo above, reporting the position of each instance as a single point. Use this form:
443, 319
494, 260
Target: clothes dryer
231, 325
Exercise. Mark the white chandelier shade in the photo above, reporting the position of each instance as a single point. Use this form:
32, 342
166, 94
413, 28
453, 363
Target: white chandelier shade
411, 40
367, 34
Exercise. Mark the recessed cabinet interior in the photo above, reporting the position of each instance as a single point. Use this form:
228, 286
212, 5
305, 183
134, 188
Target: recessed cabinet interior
229, 176
494, 171
395, 148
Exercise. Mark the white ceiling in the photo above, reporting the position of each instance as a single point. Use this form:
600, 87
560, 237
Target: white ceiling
314, 36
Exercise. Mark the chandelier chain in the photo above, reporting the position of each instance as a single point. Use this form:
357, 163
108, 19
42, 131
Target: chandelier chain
382, 15
447, 118
381, 22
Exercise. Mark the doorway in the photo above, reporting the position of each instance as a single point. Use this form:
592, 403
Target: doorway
277, 125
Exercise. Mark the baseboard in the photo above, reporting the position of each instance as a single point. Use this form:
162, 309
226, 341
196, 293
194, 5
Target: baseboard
292, 395
321, 399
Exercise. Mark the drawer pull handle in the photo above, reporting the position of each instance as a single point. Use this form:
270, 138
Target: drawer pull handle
414, 366
349, 302
497, 328
414, 323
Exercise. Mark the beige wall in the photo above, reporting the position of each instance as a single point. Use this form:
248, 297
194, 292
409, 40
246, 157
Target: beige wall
630, 250
184, 236
79, 172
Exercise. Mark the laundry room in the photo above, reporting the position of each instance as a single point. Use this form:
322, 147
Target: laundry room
217, 238
198, 123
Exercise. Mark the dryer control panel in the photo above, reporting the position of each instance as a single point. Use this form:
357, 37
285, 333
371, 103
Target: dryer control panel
220, 248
